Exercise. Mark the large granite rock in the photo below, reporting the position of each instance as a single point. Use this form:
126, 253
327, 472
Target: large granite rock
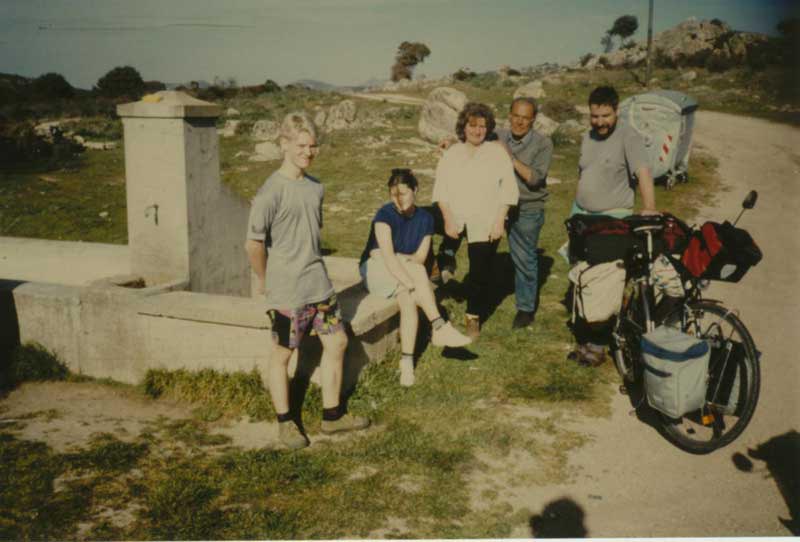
265, 130
534, 90
341, 116
439, 114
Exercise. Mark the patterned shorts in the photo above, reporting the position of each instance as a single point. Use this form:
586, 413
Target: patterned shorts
290, 326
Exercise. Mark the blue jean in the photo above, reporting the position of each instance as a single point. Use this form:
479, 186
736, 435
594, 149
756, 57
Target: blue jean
523, 238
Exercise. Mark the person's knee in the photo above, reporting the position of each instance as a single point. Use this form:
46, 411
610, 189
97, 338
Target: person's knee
336, 342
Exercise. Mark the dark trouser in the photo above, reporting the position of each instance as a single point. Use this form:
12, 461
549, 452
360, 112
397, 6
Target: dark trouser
481, 255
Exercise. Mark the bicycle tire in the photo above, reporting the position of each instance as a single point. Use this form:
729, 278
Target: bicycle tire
690, 432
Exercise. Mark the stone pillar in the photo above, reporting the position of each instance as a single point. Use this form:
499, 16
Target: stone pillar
183, 223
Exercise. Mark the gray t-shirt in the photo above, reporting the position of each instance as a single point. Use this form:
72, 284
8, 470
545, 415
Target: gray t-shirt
607, 168
535, 151
287, 215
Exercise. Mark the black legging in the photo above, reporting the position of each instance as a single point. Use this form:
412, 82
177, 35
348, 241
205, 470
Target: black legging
480, 256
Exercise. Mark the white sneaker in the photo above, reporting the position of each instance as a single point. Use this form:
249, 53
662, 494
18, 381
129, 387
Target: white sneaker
406, 372
447, 335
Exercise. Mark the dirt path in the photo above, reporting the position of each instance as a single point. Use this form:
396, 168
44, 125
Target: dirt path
629, 481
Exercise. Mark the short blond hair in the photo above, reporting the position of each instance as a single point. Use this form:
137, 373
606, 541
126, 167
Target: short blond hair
296, 123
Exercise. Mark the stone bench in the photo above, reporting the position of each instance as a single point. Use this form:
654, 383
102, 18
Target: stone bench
114, 329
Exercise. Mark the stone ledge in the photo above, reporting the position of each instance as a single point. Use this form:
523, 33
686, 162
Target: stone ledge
363, 311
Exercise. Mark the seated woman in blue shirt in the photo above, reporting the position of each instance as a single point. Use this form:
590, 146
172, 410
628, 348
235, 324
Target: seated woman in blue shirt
392, 266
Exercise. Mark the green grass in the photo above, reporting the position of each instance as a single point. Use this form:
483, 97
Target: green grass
409, 476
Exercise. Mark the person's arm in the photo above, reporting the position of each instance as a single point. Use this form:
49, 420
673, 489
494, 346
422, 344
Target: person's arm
441, 186
422, 251
509, 195
257, 255
647, 191
383, 235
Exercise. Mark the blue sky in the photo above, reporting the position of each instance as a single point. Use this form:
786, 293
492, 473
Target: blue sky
338, 41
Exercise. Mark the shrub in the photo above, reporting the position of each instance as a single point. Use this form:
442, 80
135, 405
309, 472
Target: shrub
463, 74
271, 86
52, 86
121, 81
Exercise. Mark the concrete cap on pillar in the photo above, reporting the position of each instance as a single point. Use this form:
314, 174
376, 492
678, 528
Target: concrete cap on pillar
169, 104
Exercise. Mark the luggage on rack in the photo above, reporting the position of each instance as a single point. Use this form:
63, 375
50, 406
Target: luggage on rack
720, 252
675, 370
598, 290
665, 119
598, 238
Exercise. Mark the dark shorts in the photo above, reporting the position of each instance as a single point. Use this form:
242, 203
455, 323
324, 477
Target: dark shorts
290, 326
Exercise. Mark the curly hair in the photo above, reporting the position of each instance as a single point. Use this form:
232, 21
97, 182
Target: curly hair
604, 96
472, 110
402, 176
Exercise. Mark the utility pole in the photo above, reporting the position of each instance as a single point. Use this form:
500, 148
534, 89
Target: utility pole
649, 43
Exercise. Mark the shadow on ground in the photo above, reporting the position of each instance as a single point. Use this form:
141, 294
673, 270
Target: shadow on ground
562, 518
781, 456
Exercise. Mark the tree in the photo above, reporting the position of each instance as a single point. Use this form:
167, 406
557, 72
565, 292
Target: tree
121, 81
52, 85
624, 27
408, 55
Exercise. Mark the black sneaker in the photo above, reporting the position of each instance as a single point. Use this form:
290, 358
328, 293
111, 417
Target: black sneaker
522, 319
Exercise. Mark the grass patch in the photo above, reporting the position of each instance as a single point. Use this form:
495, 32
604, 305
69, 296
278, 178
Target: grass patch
232, 394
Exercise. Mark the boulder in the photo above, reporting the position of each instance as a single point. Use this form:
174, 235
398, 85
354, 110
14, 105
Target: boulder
534, 90
266, 151
231, 112
266, 130
545, 125
230, 128
341, 116
631, 56
439, 114
689, 76
319, 118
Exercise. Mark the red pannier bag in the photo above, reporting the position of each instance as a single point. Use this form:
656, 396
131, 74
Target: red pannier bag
720, 252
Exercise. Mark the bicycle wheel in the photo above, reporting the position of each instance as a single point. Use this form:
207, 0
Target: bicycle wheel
734, 379
628, 334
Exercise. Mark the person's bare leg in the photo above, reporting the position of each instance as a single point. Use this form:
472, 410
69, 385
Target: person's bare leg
409, 321
277, 380
423, 293
333, 348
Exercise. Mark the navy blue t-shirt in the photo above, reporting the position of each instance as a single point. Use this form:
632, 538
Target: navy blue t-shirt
407, 231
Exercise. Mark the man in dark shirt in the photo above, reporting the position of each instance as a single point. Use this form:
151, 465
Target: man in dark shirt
530, 153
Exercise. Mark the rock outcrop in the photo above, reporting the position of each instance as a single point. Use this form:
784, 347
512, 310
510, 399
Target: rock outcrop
341, 116
690, 43
534, 89
440, 112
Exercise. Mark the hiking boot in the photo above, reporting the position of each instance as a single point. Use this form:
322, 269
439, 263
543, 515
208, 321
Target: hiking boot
472, 324
522, 319
290, 436
406, 372
347, 422
447, 335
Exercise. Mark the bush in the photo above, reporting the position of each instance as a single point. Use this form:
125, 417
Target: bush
52, 86
121, 81
271, 86
20, 145
463, 74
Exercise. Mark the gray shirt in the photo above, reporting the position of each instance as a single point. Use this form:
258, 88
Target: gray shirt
607, 168
535, 151
287, 215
